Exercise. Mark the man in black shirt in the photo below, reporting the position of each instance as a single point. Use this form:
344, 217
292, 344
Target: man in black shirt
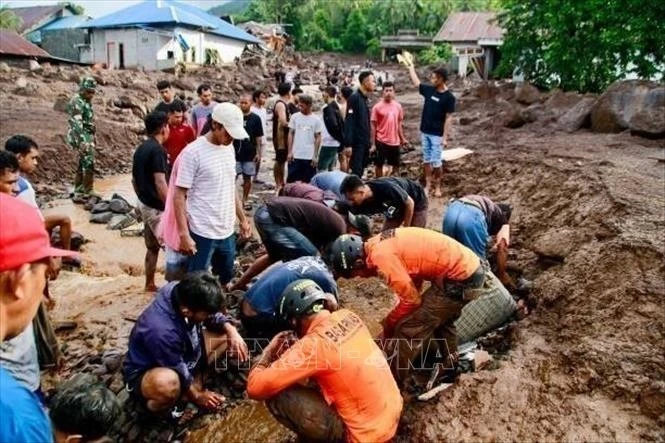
402, 201
357, 126
435, 123
149, 181
294, 227
248, 154
167, 94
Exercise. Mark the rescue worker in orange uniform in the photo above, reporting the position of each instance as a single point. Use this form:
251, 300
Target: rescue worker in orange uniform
358, 400
406, 258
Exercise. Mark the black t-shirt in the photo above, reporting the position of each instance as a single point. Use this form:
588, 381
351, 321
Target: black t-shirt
437, 106
390, 195
149, 159
246, 149
320, 224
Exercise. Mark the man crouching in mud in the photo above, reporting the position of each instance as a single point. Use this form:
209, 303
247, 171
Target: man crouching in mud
163, 363
406, 258
358, 398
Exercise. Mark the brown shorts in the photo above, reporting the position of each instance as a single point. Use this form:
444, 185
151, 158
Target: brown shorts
151, 218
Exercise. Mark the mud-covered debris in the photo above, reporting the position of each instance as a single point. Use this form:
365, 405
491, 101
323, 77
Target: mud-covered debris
527, 94
120, 221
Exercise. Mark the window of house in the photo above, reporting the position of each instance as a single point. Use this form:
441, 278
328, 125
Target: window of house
170, 54
193, 54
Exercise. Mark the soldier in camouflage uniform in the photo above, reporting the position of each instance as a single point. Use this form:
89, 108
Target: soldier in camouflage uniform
81, 135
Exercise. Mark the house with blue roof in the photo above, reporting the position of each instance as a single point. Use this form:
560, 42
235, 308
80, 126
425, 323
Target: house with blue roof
157, 34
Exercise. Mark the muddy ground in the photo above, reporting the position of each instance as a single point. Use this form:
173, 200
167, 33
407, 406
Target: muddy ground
588, 223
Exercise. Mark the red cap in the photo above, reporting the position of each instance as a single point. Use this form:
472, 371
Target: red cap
23, 237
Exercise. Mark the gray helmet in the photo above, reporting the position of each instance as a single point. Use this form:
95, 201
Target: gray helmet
299, 297
344, 252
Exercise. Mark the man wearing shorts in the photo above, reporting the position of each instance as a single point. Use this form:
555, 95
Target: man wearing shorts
149, 181
248, 151
386, 131
280, 131
435, 123
333, 131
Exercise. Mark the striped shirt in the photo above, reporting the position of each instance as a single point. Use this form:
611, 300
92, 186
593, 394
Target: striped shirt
207, 171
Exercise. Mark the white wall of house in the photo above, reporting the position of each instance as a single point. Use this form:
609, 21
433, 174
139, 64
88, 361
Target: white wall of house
158, 49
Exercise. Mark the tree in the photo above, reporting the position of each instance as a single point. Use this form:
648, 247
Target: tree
583, 45
9, 20
76, 9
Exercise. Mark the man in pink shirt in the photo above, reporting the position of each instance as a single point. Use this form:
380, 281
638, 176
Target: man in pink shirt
387, 134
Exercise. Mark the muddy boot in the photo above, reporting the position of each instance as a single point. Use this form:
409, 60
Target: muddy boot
88, 184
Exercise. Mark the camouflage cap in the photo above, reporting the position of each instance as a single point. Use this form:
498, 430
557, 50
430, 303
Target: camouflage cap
88, 84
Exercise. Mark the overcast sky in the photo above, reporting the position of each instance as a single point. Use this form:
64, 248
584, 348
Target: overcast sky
98, 8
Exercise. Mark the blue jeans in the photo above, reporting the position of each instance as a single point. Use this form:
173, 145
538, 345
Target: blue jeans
282, 242
466, 224
219, 253
432, 149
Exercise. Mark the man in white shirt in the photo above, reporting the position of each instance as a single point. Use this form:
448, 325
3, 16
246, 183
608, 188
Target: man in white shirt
206, 203
258, 107
304, 142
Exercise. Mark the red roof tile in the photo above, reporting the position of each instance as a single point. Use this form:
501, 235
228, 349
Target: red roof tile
13, 44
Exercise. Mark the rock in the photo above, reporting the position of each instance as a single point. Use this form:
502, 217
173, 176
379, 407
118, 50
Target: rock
4, 68
182, 84
21, 82
578, 116
99, 79
652, 400
638, 105
117, 196
486, 91
101, 218
116, 383
125, 102
92, 201
559, 102
112, 359
558, 243
533, 113
120, 221
527, 94
120, 206
33, 66
77, 239
512, 118
61, 103
102, 206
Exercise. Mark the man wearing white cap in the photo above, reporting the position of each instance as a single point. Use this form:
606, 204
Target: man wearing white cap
206, 200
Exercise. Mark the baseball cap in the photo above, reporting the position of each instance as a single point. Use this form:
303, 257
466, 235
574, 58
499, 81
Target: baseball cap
230, 116
23, 238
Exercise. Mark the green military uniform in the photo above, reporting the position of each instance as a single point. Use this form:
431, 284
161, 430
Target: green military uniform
81, 136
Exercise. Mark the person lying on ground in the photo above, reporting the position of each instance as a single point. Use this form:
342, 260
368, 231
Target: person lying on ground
402, 201
472, 219
293, 227
259, 308
356, 398
165, 358
25, 250
406, 258
149, 167
330, 181
248, 151
83, 410
308, 192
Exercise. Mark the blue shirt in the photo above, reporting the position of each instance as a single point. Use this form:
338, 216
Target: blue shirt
330, 181
265, 294
162, 338
22, 419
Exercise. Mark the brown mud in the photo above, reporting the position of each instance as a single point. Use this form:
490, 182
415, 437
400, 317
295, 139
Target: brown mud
589, 214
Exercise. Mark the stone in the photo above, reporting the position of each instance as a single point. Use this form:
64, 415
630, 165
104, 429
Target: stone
101, 218
652, 400
124, 102
527, 94
102, 206
578, 116
557, 243
4, 68
512, 118
120, 221
33, 66
21, 82
637, 105
182, 84
61, 103
92, 201
486, 91
533, 113
120, 206
112, 359
117, 196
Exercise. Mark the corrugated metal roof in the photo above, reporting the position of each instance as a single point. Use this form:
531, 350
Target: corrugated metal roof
33, 15
71, 22
469, 26
169, 12
13, 44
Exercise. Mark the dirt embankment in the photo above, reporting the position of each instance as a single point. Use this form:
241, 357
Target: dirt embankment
588, 217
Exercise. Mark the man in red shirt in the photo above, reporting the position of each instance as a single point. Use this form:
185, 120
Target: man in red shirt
181, 134
387, 134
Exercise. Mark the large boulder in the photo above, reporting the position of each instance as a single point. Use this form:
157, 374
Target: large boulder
101, 218
578, 116
486, 91
527, 94
638, 105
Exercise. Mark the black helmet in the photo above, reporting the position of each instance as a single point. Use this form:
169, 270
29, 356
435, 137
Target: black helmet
299, 297
344, 252
362, 223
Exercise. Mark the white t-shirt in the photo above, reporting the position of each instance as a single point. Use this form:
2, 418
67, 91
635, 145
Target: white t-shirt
208, 172
305, 127
326, 138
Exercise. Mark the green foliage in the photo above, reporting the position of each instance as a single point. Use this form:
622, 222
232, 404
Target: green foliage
355, 26
233, 7
76, 9
9, 20
439, 53
583, 45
